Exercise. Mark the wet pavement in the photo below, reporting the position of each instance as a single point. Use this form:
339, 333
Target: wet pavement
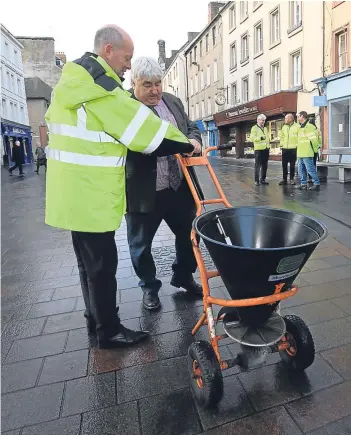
52, 383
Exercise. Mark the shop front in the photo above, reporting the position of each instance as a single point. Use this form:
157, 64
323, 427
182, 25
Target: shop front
235, 124
11, 132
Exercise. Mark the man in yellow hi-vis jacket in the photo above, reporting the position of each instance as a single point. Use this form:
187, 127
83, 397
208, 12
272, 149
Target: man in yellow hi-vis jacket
260, 139
92, 123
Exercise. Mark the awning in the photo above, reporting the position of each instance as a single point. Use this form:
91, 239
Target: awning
15, 130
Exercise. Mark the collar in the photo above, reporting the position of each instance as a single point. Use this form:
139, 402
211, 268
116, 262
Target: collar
107, 68
304, 124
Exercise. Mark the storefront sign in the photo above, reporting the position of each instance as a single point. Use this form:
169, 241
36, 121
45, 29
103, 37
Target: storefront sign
240, 112
13, 130
320, 101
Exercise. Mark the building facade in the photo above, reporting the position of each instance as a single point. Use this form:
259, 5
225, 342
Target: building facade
40, 59
14, 113
335, 83
204, 63
271, 52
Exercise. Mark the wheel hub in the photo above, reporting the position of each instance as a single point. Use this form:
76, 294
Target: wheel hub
197, 374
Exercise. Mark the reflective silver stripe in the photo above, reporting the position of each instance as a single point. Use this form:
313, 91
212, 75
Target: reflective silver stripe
159, 136
80, 131
84, 159
135, 125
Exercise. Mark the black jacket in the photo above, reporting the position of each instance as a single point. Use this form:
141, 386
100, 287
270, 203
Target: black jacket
141, 170
16, 154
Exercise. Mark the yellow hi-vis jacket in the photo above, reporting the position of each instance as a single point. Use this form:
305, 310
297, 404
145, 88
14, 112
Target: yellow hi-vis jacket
92, 123
307, 142
288, 136
257, 133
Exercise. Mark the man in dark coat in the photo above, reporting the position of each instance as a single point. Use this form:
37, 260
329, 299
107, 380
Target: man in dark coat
17, 158
157, 190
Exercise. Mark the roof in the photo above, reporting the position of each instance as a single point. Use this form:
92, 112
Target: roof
332, 77
44, 38
6, 32
36, 88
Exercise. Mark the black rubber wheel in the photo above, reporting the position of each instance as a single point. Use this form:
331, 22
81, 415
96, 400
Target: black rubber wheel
302, 352
205, 373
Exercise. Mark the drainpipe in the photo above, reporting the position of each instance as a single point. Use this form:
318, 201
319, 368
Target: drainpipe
322, 110
186, 84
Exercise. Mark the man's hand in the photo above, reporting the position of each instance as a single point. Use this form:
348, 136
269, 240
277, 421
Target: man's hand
197, 147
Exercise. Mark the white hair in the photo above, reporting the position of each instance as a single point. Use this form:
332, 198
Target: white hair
146, 68
261, 116
107, 35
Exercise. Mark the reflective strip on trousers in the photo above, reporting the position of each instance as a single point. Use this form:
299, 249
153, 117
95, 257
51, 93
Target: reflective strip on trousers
84, 159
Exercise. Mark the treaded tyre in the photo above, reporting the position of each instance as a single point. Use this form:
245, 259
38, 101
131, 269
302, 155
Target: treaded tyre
205, 374
301, 354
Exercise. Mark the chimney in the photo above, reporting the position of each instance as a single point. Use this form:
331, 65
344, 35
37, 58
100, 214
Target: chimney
174, 52
213, 9
192, 36
162, 54
61, 56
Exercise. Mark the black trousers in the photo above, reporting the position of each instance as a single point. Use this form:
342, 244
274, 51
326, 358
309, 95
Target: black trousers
289, 157
17, 165
97, 264
178, 210
261, 164
42, 162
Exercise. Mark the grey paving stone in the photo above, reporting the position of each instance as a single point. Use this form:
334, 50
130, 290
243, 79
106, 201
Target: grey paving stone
19, 376
328, 275
173, 344
12, 432
171, 413
63, 426
64, 322
131, 294
160, 323
341, 427
321, 408
47, 284
121, 420
68, 365
24, 328
77, 339
80, 305
316, 312
343, 303
338, 260
31, 406
36, 347
331, 334
340, 359
274, 421
67, 292
89, 393
53, 307
63, 271
168, 375
127, 283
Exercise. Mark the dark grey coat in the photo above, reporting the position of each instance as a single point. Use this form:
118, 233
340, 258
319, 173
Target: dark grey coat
141, 170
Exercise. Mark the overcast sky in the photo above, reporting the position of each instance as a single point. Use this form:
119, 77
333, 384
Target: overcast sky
73, 23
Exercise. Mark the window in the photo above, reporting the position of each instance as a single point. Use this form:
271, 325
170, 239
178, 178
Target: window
203, 114
19, 89
275, 76
197, 115
244, 10
195, 54
295, 14
339, 125
342, 51
196, 83
207, 42
214, 35
12, 113
232, 17
15, 109
22, 115
258, 38
208, 76
209, 106
275, 26
13, 87
215, 71
256, 4
191, 86
3, 108
202, 80
191, 58
201, 49
296, 69
233, 94
192, 112
259, 83
6, 48
8, 80
174, 73
233, 59
15, 57
245, 89
244, 48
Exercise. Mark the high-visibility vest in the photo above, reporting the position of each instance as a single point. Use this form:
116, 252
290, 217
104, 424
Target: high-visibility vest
257, 133
92, 123
307, 142
288, 136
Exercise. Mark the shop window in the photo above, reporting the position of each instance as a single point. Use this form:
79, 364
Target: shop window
233, 58
275, 26
258, 45
232, 17
340, 115
274, 129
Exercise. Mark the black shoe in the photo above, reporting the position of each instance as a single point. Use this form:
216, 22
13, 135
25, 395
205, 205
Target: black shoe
151, 301
125, 337
301, 187
264, 182
257, 183
10, 172
283, 183
315, 187
292, 182
191, 286
91, 325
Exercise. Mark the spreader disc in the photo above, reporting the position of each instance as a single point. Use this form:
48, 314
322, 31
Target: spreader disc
266, 335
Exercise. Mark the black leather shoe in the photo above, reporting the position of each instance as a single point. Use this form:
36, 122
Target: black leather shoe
125, 337
315, 187
91, 325
283, 183
257, 183
191, 286
264, 182
151, 301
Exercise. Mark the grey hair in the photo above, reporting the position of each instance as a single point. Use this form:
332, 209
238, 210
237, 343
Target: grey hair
146, 68
107, 35
261, 116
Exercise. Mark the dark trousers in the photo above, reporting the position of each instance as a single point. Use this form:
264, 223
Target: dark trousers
97, 264
17, 165
261, 163
42, 162
178, 211
289, 157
